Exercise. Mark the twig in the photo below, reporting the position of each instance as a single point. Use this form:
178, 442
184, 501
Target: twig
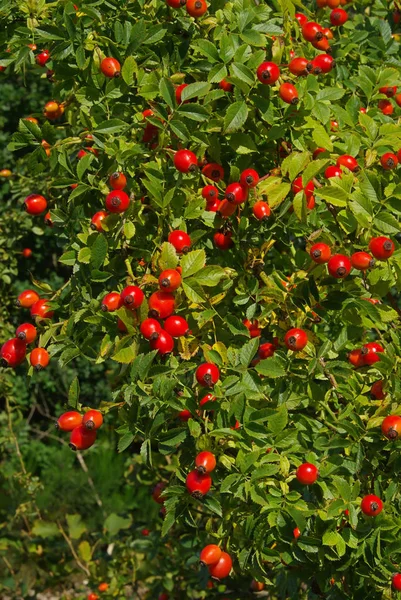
393, 303
329, 376
56, 294
14, 438
129, 269
71, 547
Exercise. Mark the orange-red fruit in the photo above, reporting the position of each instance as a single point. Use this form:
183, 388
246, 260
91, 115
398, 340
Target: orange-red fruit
397, 99
26, 332
296, 533
391, 427
249, 178
210, 193
205, 462
261, 210
150, 329
252, 327
210, 555
371, 505
176, 3
132, 297
93, 596
213, 171
196, 8
207, 374
396, 581
312, 31
347, 161
362, 261
35, 204
48, 219
42, 58
266, 350
376, 391
41, 309
288, 93
27, 298
297, 186
295, 339
236, 193
226, 209
169, 280
178, 92
39, 358
389, 161
320, 253
180, 240
82, 438
93, 419
226, 86
26, 253
161, 305
339, 266
117, 181
103, 587
307, 474
96, 221
198, 484
385, 106
388, 90
157, 492
176, 326
370, 353
268, 73
111, 302
332, 171
300, 66
381, 247
222, 568
12, 353
185, 161
110, 67
257, 586
69, 420
222, 240
355, 357
338, 16
117, 201
323, 63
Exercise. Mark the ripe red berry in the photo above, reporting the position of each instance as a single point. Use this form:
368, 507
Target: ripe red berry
261, 210
323, 63
145, 532
249, 178
268, 73
332, 171
103, 587
196, 8
132, 297
161, 305
206, 399
370, 353
180, 240
320, 253
381, 247
27, 298
307, 474
317, 152
347, 161
376, 391
289, 93
371, 505
178, 92
205, 462
39, 358
210, 193
117, 181
26, 253
93, 419
197, 484
396, 581
322, 44
176, 326
150, 329
300, 66
257, 586
12, 353
210, 555
185, 161
213, 171
69, 420
169, 280
388, 90
362, 261
355, 357
397, 99
215, 205
338, 16
207, 374
296, 533
297, 186
226, 208
41, 309
221, 569
266, 350
42, 58
253, 327
301, 18
35, 204
296, 339
222, 240
110, 67
82, 438
339, 266
157, 492
386, 107
226, 86
96, 221
48, 219
312, 31
93, 596
389, 161
26, 332
391, 427
111, 302
236, 193
117, 201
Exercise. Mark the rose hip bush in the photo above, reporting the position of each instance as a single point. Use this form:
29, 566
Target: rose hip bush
224, 183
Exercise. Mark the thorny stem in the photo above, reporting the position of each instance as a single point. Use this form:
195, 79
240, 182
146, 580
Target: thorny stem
57, 294
129, 269
71, 547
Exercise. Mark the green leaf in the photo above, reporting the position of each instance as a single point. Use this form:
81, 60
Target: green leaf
195, 90
211, 503
110, 126
125, 441
193, 262
331, 94
279, 420
129, 230
126, 355
236, 326
236, 116
99, 251
129, 69
278, 193
210, 276
193, 291
242, 73
45, 529
333, 194
73, 393
84, 551
168, 258
248, 351
295, 163
208, 49
242, 143
195, 112
387, 223
113, 524
167, 91
313, 169
76, 527
272, 367
322, 138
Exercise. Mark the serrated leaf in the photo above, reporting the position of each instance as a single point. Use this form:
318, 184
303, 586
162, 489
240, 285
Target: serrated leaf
272, 367
114, 523
125, 355
192, 262
99, 251
193, 291
167, 91
129, 230
195, 90
129, 69
110, 126
168, 258
235, 117
248, 351
73, 393
279, 420
333, 194
125, 441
